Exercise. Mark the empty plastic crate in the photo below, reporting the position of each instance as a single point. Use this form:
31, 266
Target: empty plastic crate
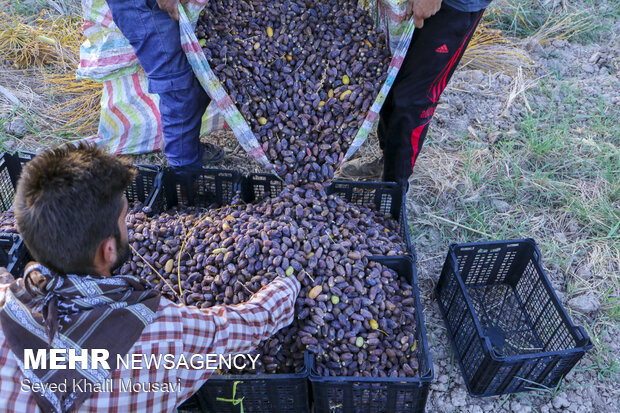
507, 327
381, 394
387, 197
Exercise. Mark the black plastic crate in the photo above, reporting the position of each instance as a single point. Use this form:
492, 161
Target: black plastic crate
273, 393
13, 254
10, 169
146, 188
507, 327
379, 394
143, 189
190, 405
387, 197
200, 187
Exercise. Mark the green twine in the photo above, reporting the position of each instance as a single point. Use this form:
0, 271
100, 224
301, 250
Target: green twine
234, 401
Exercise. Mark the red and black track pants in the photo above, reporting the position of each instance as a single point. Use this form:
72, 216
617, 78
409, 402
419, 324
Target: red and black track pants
434, 53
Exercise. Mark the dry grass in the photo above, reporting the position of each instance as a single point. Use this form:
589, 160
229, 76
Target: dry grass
65, 7
491, 50
79, 109
521, 83
563, 26
46, 40
49, 46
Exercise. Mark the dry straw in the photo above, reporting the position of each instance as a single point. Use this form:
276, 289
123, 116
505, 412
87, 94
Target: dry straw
491, 50
563, 26
50, 44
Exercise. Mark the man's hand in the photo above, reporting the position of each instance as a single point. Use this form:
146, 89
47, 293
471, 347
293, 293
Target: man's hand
171, 6
421, 10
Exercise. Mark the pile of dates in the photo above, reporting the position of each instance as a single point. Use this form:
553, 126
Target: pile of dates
303, 74
355, 315
358, 324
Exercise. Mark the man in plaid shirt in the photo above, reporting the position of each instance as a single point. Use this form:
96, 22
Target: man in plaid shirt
70, 209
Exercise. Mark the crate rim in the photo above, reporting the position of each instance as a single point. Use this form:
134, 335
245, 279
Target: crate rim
390, 185
148, 166
582, 344
171, 169
337, 181
530, 241
420, 380
368, 183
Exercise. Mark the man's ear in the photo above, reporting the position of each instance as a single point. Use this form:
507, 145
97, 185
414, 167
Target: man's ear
106, 256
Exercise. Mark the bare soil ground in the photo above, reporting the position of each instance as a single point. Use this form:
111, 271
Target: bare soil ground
509, 157
510, 154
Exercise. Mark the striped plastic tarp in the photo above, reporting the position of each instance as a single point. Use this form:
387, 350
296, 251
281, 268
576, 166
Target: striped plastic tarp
212, 85
127, 108
105, 54
130, 121
390, 18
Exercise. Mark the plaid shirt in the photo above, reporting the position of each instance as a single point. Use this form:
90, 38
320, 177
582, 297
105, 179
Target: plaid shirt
176, 330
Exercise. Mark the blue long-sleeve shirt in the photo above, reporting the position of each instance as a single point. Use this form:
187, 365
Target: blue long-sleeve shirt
468, 5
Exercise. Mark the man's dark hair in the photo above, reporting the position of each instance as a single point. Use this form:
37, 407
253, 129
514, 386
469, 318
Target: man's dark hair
68, 200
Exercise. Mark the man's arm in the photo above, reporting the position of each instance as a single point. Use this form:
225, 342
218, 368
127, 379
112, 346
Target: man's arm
171, 6
421, 10
225, 329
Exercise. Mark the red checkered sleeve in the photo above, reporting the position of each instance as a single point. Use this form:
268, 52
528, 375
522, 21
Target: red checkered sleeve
230, 329
240, 328
176, 330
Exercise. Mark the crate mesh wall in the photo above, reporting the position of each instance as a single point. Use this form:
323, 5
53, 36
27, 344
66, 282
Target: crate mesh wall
7, 191
201, 188
10, 169
259, 395
547, 320
142, 186
563, 365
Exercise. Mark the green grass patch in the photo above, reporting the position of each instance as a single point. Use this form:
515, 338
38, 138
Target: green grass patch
517, 18
556, 180
605, 362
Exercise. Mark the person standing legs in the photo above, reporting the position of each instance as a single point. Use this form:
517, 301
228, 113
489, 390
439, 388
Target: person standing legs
433, 55
156, 40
